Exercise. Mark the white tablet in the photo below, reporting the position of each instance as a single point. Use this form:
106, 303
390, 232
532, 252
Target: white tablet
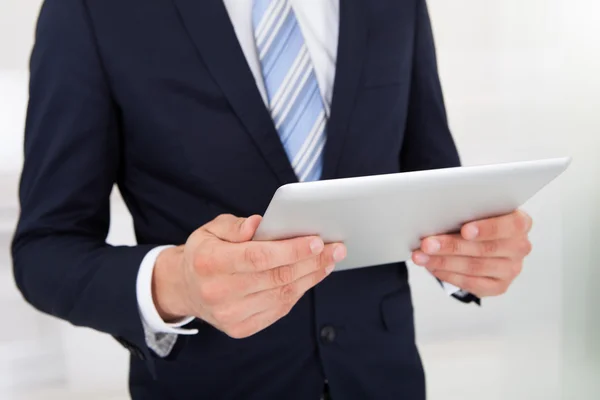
383, 218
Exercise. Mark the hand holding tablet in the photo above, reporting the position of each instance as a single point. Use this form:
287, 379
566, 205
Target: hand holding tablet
383, 219
484, 258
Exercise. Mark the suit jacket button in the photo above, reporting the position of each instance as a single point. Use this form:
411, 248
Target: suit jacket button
328, 334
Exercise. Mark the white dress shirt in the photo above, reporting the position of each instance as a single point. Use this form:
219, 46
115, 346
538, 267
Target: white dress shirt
319, 22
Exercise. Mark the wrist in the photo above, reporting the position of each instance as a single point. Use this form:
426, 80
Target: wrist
168, 285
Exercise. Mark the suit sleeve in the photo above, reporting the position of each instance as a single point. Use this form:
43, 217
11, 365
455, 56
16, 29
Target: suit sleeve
62, 264
428, 143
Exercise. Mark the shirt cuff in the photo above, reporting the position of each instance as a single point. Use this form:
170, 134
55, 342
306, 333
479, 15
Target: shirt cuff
150, 317
450, 289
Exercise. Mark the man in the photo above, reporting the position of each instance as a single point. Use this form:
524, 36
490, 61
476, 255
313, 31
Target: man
199, 111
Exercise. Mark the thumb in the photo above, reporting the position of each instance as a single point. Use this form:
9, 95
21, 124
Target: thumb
233, 229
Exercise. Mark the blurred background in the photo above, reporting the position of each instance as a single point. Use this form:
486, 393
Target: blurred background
522, 81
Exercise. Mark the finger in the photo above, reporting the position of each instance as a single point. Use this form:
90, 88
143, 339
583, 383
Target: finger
257, 322
479, 286
497, 268
242, 284
507, 226
455, 245
233, 229
286, 295
280, 276
259, 256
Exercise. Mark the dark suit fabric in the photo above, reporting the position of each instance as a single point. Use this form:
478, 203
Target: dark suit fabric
157, 98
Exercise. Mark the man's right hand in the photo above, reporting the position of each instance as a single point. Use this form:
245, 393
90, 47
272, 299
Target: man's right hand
238, 285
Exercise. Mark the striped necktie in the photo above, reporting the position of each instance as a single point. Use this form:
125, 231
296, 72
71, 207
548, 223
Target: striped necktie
292, 89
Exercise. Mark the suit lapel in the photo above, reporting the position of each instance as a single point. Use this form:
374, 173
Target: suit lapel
351, 52
210, 28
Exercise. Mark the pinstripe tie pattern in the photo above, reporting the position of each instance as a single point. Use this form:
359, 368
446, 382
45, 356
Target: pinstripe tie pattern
292, 89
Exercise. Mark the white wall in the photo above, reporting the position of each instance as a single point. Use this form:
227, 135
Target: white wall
521, 82
17, 19
17, 22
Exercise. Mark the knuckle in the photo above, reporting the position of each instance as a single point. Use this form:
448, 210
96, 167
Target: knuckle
258, 257
526, 247
453, 246
493, 228
210, 293
440, 262
489, 248
296, 252
287, 293
205, 259
199, 263
519, 224
249, 282
282, 275
476, 266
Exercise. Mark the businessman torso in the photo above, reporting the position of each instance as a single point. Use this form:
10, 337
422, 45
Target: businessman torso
194, 140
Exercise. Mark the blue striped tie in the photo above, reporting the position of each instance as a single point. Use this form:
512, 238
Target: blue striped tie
292, 88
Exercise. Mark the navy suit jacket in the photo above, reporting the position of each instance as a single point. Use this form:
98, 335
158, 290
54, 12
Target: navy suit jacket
157, 98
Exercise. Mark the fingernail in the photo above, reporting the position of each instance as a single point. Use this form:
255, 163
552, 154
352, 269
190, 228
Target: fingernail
471, 232
432, 246
329, 269
421, 259
316, 246
339, 253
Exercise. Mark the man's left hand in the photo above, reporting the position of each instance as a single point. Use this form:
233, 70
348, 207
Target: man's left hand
484, 259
